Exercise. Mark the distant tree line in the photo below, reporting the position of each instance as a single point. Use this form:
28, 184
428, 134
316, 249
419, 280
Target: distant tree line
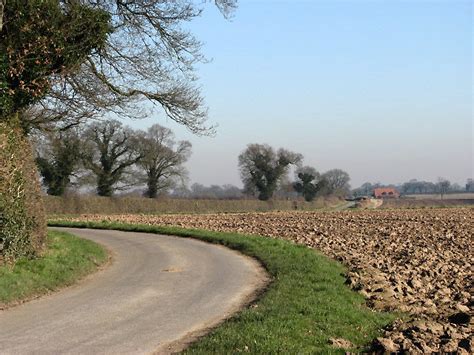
415, 187
199, 191
111, 157
264, 172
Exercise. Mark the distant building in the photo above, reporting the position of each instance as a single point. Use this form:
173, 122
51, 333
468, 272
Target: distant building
386, 192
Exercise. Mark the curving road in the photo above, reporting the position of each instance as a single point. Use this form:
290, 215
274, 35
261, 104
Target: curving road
158, 294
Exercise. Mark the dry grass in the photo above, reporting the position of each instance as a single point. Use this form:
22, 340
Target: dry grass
77, 204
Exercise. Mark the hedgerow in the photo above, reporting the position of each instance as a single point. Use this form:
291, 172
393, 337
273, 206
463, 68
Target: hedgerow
22, 217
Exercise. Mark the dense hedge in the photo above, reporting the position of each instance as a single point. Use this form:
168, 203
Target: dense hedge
22, 217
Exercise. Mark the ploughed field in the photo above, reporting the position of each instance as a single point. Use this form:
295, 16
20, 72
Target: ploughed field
418, 262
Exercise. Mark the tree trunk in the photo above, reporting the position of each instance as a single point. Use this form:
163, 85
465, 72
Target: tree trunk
104, 185
152, 186
2, 7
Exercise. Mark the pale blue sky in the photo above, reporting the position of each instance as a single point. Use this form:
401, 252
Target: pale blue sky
381, 89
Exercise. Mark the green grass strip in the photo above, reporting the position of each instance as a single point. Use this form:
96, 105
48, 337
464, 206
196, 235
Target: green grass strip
305, 305
66, 259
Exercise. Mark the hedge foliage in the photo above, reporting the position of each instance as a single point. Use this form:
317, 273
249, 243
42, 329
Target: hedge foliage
22, 217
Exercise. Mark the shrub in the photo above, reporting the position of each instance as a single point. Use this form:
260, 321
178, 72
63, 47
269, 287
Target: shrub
22, 217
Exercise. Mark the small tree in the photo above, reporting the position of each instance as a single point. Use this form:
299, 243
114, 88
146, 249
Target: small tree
109, 151
443, 186
307, 183
57, 158
161, 159
261, 168
470, 185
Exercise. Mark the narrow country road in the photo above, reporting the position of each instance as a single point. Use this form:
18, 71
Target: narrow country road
159, 293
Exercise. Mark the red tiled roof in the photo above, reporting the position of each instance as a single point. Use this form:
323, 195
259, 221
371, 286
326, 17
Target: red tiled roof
385, 191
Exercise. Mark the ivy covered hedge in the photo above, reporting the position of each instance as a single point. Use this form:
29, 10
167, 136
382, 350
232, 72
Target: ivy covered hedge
22, 217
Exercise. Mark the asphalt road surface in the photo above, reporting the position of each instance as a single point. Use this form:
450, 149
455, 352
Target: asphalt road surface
158, 294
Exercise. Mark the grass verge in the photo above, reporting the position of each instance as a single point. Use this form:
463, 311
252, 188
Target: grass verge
306, 304
67, 259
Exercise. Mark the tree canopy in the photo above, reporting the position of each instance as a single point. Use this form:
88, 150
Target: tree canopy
161, 158
58, 157
307, 183
336, 181
110, 150
261, 168
41, 42
68, 60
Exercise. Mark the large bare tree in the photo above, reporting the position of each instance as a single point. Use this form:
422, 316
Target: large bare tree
146, 55
336, 181
161, 159
109, 152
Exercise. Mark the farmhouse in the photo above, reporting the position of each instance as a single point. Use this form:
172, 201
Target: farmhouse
386, 192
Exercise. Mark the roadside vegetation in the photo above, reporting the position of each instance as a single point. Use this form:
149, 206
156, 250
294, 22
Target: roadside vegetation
307, 307
66, 259
22, 217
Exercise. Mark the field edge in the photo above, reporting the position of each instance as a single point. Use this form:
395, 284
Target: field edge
309, 286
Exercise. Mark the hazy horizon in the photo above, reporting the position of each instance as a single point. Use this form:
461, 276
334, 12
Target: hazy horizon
380, 90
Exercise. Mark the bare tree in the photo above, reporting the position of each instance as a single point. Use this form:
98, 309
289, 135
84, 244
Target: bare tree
337, 181
261, 168
161, 159
470, 185
443, 186
41, 43
109, 152
146, 56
